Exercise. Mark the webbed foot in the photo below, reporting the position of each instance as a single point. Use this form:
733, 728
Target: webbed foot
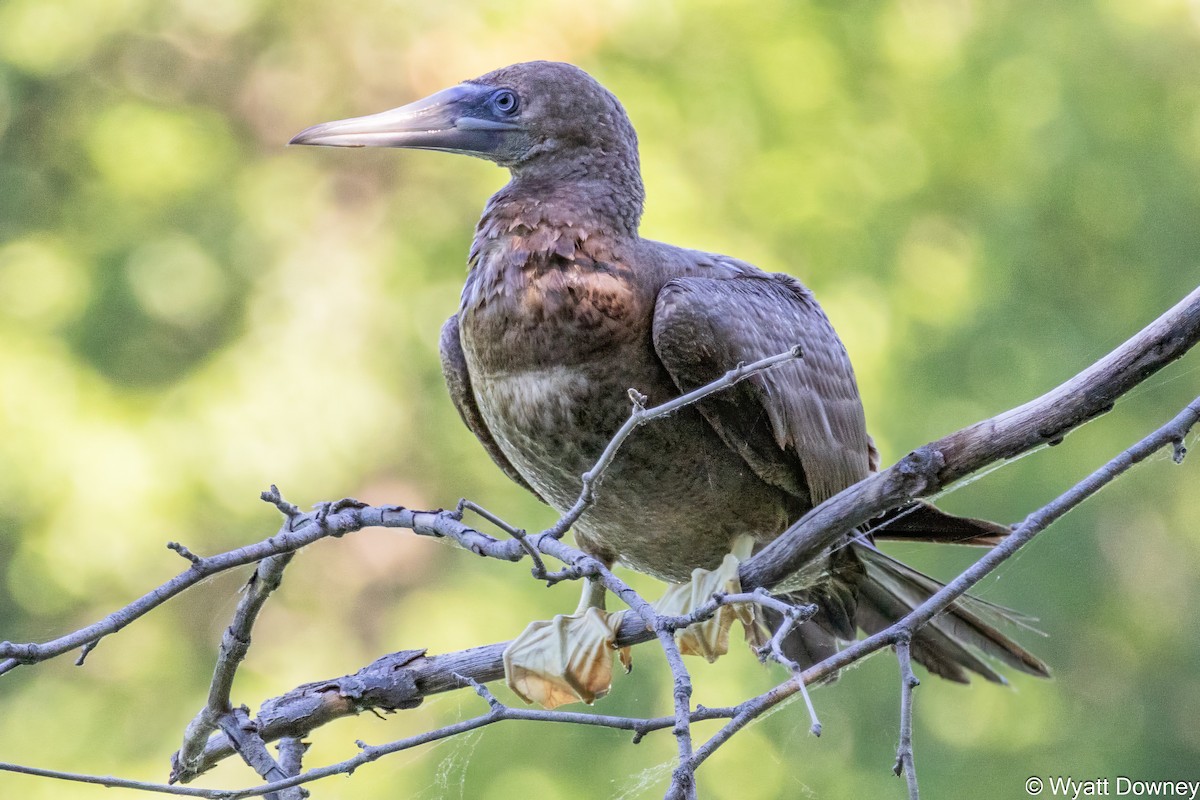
710, 637
566, 659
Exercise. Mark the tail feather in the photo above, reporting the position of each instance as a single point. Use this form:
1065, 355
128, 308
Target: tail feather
970, 621
924, 522
938, 652
866, 589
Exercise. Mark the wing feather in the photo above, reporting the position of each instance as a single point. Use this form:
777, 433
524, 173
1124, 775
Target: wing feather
799, 426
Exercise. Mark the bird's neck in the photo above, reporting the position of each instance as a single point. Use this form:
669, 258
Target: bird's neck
602, 188
541, 219
535, 228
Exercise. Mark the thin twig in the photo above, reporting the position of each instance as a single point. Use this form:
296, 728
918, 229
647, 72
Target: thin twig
908, 681
683, 781
793, 615
926, 470
1167, 435
641, 415
638, 726
469, 505
235, 643
296, 533
519, 534
118, 783
759, 596
184, 552
85, 651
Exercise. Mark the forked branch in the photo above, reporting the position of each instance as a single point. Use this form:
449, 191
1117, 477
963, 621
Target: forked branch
403, 680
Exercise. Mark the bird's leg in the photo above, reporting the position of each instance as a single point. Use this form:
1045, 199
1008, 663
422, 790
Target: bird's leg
568, 658
592, 597
710, 637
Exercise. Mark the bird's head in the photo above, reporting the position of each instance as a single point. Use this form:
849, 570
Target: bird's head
540, 119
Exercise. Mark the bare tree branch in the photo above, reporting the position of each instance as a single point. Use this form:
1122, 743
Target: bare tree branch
1157, 345
294, 535
291, 754
235, 642
928, 469
904, 750
117, 783
642, 415
1172, 434
288, 710
241, 730
402, 680
498, 712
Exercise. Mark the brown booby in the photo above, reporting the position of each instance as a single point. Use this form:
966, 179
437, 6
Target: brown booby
566, 308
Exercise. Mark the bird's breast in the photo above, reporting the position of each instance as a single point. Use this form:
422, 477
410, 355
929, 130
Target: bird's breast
517, 318
552, 355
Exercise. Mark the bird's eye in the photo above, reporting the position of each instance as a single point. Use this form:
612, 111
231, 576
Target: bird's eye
505, 102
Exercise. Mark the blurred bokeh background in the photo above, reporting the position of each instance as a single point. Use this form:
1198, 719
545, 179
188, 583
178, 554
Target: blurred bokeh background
986, 197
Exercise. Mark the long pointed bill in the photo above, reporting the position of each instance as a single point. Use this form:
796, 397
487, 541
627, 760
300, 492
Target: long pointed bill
455, 119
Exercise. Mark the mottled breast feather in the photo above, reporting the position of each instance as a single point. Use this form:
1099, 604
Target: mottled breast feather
545, 288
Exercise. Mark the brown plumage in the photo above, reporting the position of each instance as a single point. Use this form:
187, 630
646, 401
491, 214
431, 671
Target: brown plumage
566, 307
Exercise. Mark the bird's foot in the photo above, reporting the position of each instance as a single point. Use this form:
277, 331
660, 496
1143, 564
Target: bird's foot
710, 637
566, 659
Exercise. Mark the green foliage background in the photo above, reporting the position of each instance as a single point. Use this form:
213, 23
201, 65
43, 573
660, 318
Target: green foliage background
986, 196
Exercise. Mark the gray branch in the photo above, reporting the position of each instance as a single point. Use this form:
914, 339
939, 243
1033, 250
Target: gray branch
402, 680
904, 750
235, 643
927, 470
1091, 393
1170, 435
298, 532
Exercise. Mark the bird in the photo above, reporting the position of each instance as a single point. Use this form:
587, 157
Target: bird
566, 308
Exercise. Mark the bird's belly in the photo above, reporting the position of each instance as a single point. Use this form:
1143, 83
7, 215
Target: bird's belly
674, 498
